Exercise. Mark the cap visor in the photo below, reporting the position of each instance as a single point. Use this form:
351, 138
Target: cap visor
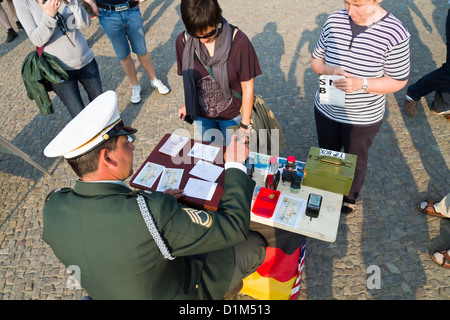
125, 131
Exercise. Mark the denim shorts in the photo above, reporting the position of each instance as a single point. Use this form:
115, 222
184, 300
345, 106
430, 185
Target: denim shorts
212, 130
123, 29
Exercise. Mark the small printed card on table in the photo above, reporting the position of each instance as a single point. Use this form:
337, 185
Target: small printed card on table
149, 174
200, 189
206, 171
170, 179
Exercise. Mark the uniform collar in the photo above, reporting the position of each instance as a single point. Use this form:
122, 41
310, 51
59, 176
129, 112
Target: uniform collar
104, 187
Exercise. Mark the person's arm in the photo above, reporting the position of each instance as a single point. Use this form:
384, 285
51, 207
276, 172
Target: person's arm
82, 18
320, 67
247, 100
190, 231
381, 85
93, 5
40, 34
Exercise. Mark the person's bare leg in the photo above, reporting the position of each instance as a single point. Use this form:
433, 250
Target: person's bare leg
4, 18
146, 63
129, 69
12, 9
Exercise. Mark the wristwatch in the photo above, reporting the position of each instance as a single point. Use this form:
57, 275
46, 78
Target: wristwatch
365, 84
249, 127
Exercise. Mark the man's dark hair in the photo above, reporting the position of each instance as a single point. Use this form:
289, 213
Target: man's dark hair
88, 162
198, 15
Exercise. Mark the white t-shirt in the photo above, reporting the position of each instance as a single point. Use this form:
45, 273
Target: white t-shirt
371, 52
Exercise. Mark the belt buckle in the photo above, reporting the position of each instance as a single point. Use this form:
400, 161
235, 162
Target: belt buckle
121, 7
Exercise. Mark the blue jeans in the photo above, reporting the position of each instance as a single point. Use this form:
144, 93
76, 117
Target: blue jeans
69, 92
217, 129
437, 80
124, 28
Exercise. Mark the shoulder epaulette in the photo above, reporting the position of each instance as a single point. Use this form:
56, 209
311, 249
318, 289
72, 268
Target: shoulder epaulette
59, 190
145, 193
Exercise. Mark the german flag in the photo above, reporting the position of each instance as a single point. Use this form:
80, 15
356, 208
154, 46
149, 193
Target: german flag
278, 278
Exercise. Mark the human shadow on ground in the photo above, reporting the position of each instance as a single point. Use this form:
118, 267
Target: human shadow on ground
389, 202
5, 48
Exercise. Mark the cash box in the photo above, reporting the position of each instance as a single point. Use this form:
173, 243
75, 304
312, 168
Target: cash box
329, 170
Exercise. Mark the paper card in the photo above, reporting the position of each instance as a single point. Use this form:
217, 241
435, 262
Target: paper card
200, 189
203, 151
289, 210
173, 145
206, 171
170, 179
331, 153
329, 94
149, 174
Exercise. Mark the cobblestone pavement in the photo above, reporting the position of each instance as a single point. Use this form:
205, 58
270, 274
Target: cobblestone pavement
409, 160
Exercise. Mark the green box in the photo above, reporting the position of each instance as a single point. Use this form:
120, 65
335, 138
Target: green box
329, 170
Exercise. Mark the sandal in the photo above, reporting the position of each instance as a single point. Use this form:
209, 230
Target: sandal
445, 259
429, 208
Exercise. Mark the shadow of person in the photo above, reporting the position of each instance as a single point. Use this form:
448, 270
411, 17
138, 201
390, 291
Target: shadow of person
279, 94
5, 48
302, 82
391, 193
269, 47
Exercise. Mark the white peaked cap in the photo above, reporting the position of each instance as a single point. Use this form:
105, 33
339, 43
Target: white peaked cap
95, 124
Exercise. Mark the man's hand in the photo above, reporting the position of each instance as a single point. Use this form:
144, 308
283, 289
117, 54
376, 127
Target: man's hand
93, 5
238, 149
182, 112
176, 193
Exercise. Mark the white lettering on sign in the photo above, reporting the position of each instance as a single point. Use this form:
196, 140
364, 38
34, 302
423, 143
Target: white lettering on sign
331, 153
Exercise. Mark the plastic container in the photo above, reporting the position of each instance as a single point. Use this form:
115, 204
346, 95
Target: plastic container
265, 202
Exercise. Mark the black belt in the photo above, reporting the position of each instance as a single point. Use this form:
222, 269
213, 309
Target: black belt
118, 7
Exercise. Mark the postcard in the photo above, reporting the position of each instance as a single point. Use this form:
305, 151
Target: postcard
206, 171
203, 151
289, 210
200, 189
173, 145
149, 174
170, 179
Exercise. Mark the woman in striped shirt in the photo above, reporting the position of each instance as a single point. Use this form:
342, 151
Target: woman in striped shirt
370, 48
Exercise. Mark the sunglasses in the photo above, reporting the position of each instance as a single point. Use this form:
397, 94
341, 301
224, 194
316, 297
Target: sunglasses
206, 36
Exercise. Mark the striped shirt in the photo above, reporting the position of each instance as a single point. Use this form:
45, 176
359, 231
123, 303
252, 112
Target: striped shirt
380, 50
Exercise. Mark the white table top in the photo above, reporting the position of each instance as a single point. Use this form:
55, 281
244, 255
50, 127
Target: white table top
324, 227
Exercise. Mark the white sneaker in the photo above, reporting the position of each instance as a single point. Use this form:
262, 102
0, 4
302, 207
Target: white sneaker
136, 94
157, 84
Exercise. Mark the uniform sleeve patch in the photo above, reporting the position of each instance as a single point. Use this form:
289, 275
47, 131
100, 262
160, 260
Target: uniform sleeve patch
202, 218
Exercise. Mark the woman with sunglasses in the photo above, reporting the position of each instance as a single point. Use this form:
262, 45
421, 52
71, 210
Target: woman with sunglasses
218, 64
54, 25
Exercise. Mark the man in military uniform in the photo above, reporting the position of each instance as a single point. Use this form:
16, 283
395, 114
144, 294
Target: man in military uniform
144, 245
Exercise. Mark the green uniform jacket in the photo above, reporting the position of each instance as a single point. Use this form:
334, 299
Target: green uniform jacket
98, 227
